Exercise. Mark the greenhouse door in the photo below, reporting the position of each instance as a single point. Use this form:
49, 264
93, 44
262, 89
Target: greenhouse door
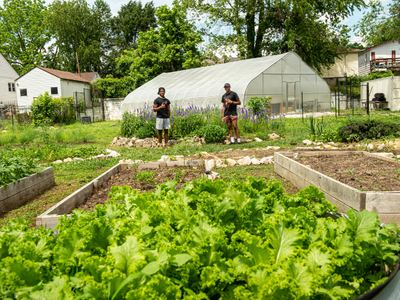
292, 103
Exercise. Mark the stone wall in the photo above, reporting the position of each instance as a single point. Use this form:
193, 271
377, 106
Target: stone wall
112, 109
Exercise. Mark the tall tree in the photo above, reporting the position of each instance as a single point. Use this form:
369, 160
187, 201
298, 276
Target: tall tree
309, 27
23, 33
172, 47
80, 30
132, 18
379, 23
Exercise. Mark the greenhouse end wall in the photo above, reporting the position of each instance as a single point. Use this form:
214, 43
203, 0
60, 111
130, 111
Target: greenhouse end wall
285, 81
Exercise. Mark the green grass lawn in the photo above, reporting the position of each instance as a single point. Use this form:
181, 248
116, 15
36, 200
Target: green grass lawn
71, 176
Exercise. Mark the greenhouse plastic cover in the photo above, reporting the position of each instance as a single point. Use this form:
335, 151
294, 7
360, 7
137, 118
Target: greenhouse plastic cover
204, 86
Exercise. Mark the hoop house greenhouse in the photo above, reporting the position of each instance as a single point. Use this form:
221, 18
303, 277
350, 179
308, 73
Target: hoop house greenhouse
282, 77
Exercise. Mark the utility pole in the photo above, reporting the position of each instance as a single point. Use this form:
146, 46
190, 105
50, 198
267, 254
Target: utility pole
77, 61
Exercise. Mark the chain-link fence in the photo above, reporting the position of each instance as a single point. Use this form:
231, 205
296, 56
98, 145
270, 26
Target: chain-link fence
9, 114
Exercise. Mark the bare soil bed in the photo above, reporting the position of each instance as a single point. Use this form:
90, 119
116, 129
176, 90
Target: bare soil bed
358, 171
235, 154
130, 176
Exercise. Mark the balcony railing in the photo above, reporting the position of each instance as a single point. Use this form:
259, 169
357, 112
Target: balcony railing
383, 64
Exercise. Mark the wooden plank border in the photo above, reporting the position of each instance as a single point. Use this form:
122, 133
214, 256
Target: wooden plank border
19, 192
386, 204
49, 219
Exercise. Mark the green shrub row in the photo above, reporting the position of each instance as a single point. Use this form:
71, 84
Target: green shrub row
370, 129
111, 87
50, 152
192, 125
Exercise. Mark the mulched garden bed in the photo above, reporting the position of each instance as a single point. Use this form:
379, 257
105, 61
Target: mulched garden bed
147, 183
358, 171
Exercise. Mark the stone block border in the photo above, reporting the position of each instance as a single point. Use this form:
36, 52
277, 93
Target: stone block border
386, 204
24, 189
49, 219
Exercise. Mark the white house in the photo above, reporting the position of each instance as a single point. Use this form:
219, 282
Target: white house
7, 86
385, 56
40, 80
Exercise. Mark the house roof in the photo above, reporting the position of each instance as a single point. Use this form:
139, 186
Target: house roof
348, 50
60, 74
64, 75
366, 50
87, 75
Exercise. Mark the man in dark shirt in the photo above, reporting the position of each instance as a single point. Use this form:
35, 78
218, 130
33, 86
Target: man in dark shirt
162, 107
230, 102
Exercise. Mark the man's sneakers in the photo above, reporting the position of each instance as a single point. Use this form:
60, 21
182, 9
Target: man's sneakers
238, 142
232, 143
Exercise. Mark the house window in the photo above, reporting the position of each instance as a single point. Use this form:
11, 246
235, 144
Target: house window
372, 55
54, 90
11, 87
393, 56
365, 57
23, 92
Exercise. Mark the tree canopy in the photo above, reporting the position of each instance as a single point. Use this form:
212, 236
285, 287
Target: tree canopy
23, 33
380, 24
132, 18
79, 30
172, 47
310, 28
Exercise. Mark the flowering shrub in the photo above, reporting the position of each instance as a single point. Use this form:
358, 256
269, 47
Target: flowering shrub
186, 121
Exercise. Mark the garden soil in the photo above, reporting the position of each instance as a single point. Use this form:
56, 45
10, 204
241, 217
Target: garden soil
235, 154
125, 177
358, 171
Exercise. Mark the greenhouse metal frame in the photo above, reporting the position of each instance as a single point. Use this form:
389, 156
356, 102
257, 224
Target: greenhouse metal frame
284, 78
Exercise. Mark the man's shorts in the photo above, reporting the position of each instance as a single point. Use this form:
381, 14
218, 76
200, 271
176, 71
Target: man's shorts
229, 118
162, 123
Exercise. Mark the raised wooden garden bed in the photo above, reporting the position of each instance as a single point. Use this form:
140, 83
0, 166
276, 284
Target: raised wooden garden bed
386, 204
23, 190
49, 219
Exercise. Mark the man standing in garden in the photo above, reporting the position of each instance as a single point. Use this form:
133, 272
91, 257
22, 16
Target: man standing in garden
162, 107
230, 102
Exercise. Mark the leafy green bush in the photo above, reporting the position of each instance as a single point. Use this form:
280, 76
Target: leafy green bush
185, 126
43, 109
48, 110
14, 168
370, 129
209, 240
111, 87
147, 130
258, 104
212, 133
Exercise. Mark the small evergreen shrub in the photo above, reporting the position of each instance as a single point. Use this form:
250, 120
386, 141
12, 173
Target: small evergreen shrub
212, 133
370, 129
